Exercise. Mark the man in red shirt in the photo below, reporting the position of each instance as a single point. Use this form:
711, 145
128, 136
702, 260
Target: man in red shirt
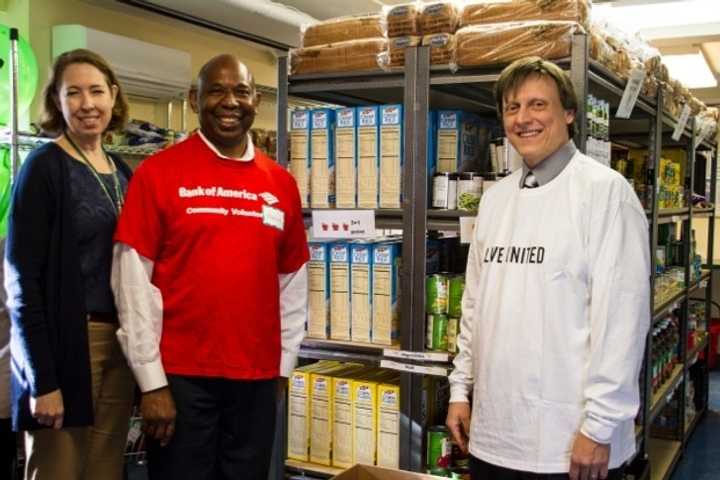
210, 283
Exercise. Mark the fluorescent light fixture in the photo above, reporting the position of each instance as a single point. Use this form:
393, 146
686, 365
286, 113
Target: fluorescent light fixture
635, 16
692, 70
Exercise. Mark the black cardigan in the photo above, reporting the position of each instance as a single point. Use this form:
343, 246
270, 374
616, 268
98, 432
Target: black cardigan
49, 339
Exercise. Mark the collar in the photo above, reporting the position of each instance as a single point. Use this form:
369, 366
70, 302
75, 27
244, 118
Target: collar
248, 156
551, 167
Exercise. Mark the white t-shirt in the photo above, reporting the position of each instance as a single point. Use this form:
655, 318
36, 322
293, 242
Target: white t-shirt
555, 315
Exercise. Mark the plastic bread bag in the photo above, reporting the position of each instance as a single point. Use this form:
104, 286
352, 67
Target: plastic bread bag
402, 20
442, 49
395, 55
342, 29
650, 86
504, 42
350, 56
440, 17
479, 12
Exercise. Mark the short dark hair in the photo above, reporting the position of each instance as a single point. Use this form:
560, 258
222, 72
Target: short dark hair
520, 70
52, 118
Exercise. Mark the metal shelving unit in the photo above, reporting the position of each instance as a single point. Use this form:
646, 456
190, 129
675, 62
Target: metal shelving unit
420, 87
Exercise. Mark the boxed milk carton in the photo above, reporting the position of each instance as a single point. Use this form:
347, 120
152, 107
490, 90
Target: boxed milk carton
361, 265
388, 430
391, 155
319, 290
386, 293
340, 291
346, 158
322, 180
368, 136
457, 141
300, 160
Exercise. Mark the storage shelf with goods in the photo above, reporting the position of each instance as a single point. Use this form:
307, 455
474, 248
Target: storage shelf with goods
424, 89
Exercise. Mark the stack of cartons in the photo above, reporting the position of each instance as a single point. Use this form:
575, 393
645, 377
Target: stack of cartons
385, 281
457, 141
346, 158
342, 435
300, 163
322, 180
368, 137
319, 290
391, 157
388, 431
361, 282
340, 291
365, 414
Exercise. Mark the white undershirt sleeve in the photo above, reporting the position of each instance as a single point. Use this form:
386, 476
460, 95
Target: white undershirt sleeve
293, 315
462, 378
619, 320
140, 312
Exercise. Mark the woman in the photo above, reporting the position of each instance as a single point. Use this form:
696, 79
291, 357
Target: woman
71, 387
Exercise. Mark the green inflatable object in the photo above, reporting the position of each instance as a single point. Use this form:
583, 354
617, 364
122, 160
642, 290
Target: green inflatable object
5, 189
27, 75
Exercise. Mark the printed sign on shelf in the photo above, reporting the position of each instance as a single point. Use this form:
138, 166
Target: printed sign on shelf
467, 228
343, 224
631, 93
682, 122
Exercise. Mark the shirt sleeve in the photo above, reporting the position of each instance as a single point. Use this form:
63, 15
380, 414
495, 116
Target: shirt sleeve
294, 250
462, 378
140, 312
26, 261
619, 319
141, 221
293, 316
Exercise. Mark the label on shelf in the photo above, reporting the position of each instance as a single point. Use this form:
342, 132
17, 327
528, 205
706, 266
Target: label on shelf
467, 227
631, 93
421, 369
343, 223
682, 122
419, 356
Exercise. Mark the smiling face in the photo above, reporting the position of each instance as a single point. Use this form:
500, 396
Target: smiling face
85, 100
534, 119
226, 103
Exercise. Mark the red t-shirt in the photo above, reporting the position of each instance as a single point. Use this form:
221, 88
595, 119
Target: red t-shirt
219, 232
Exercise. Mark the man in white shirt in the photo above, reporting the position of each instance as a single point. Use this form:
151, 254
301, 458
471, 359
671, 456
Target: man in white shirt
556, 308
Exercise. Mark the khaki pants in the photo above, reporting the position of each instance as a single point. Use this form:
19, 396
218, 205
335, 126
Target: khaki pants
96, 452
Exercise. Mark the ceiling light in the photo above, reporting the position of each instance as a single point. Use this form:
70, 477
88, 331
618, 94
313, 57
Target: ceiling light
635, 16
692, 70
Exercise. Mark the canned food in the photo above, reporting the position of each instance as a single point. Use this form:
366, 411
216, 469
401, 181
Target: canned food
444, 194
436, 291
460, 460
438, 448
437, 331
452, 334
456, 287
469, 190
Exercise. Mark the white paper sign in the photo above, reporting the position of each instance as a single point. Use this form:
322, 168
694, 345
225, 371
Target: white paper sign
682, 122
631, 93
599, 150
407, 367
467, 228
343, 223
419, 356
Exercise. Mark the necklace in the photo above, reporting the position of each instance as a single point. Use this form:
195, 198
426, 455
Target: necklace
117, 202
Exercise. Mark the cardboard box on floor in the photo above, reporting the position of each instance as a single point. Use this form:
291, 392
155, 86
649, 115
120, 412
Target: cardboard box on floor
366, 472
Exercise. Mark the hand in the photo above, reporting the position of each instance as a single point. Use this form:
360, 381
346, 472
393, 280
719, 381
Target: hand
158, 412
48, 409
589, 460
282, 386
458, 422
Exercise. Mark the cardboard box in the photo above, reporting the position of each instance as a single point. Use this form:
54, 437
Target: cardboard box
361, 281
300, 160
388, 436
319, 290
322, 180
391, 155
346, 159
368, 136
386, 293
367, 472
457, 141
343, 426
340, 291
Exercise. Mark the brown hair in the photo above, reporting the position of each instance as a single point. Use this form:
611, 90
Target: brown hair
52, 118
520, 70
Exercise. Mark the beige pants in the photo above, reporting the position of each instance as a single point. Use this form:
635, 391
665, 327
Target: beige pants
96, 452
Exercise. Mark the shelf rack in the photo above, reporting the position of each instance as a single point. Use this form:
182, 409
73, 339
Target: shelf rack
420, 86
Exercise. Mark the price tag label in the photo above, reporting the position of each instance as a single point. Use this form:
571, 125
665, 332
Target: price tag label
410, 368
343, 223
675, 218
467, 229
631, 93
418, 356
682, 123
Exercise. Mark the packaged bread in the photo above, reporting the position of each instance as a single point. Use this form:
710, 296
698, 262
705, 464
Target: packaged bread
354, 55
402, 20
442, 47
479, 12
650, 86
669, 104
396, 49
439, 17
343, 29
505, 42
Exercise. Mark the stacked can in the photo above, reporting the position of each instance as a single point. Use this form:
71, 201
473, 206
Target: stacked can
444, 308
444, 457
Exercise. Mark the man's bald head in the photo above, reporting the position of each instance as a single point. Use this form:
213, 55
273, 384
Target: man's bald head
224, 60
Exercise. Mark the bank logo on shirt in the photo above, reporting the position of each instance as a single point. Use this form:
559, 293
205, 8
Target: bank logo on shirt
521, 255
269, 198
